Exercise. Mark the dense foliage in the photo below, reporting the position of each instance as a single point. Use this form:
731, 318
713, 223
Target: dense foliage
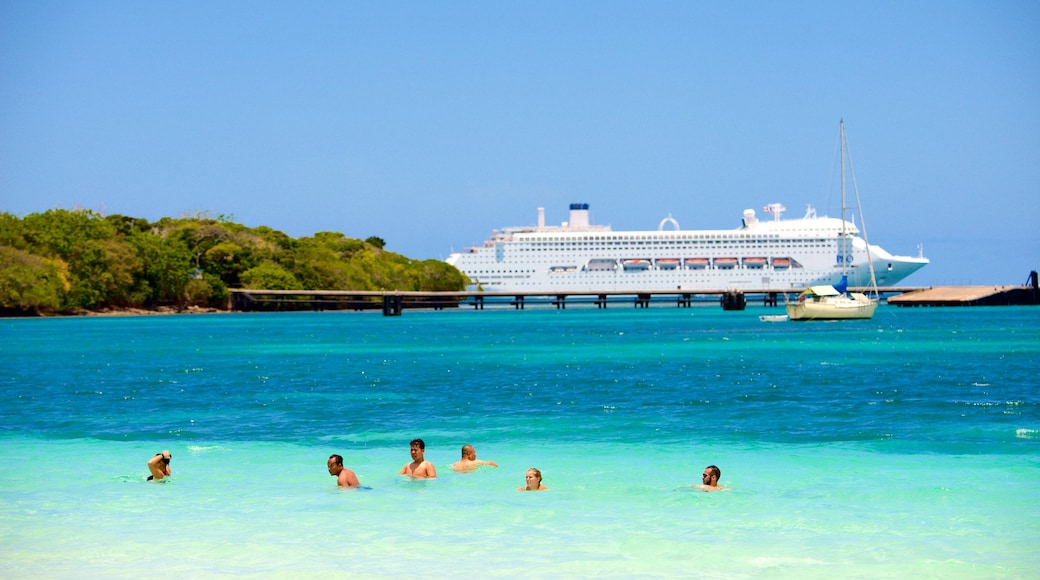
61, 261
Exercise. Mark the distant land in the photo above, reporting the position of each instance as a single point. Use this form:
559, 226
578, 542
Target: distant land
78, 261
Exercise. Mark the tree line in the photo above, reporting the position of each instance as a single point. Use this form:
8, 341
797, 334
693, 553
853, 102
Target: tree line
65, 261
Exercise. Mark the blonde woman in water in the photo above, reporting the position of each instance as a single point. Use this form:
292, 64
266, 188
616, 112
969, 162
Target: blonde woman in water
534, 481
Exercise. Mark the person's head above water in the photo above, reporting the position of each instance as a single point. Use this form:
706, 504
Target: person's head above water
335, 463
534, 481
710, 479
711, 475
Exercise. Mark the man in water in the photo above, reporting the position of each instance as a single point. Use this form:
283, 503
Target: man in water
710, 479
469, 460
159, 465
419, 468
344, 477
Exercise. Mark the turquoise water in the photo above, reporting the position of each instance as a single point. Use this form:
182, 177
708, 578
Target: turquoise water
908, 445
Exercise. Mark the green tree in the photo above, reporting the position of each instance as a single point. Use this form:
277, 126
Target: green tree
167, 267
319, 268
12, 231
270, 276
30, 283
128, 225
437, 276
228, 260
83, 239
219, 294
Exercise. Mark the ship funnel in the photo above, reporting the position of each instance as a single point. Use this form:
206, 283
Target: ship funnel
749, 218
541, 217
579, 215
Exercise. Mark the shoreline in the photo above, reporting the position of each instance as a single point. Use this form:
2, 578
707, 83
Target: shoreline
160, 311
128, 311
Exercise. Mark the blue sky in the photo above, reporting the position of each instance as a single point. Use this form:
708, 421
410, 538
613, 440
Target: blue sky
430, 124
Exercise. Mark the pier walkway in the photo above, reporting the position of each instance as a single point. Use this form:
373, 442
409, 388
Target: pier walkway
968, 296
392, 303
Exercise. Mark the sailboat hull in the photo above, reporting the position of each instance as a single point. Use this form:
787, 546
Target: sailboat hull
854, 307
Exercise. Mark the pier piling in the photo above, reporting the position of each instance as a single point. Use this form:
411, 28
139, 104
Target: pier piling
392, 305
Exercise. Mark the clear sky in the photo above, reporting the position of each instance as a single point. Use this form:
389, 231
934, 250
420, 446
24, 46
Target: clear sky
431, 123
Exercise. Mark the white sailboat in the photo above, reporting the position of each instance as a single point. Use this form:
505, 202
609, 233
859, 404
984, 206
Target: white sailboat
836, 302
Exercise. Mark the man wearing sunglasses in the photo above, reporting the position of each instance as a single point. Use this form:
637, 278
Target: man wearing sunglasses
710, 479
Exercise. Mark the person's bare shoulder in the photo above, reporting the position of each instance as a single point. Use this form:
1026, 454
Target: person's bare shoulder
348, 478
429, 469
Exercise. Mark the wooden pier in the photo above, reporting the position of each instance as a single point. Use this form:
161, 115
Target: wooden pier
968, 296
393, 303
1025, 295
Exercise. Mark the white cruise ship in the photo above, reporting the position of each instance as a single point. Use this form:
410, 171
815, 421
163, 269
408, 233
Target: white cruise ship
769, 254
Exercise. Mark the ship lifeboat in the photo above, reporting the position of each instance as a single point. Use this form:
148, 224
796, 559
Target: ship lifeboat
601, 264
635, 264
725, 263
667, 263
781, 263
755, 263
696, 263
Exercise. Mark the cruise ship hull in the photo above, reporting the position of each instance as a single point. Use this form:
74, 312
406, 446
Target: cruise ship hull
780, 255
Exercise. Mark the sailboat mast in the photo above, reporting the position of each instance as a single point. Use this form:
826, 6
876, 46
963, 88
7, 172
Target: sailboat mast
844, 234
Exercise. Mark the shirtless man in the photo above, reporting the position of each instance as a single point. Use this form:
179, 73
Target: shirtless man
344, 477
419, 468
159, 465
469, 460
710, 479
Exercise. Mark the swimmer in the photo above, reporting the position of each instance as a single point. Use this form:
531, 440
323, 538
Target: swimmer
710, 479
419, 468
159, 465
469, 461
534, 481
344, 477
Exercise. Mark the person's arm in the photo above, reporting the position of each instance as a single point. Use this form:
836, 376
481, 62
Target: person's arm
431, 470
153, 467
491, 463
404, 470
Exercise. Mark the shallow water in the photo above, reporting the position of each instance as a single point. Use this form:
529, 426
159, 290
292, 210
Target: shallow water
904, 445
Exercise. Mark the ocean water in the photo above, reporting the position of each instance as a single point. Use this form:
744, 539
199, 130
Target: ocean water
903, 446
